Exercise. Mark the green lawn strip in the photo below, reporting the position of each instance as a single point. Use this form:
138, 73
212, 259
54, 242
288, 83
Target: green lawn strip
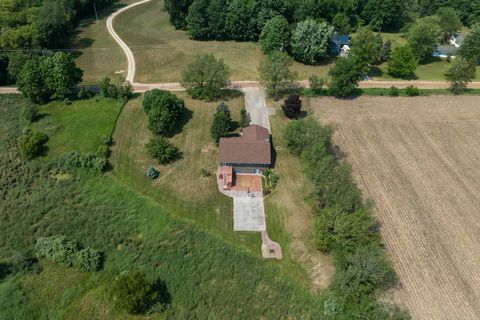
306, 92
79, 126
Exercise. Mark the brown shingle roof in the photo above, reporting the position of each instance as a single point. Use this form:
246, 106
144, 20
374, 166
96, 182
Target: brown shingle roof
253, 147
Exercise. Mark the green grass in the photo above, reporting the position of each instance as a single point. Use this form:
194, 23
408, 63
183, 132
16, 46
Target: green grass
162, 52
181, 189
79, 126
205, 276
97, 54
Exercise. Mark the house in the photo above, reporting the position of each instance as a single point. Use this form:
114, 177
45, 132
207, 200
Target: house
249, 153
340, 44
445, 50
456, 40
450, 49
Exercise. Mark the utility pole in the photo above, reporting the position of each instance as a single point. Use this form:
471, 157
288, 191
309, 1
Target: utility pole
95, 8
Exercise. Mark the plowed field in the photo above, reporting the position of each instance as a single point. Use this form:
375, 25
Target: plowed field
419, 160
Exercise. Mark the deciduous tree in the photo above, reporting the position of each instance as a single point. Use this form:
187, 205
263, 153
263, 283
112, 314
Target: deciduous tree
275, 73
346, 74
422, 36
292, 106
275, 35
205, 77
310, 41
403, 62
449, 22
470, 49
460, 73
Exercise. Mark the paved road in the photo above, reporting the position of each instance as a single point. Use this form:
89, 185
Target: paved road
256, 106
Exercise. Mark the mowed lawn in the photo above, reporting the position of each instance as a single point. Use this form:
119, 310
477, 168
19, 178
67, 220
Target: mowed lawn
181, 189
162, 52
289, 219
96, 52
80, 126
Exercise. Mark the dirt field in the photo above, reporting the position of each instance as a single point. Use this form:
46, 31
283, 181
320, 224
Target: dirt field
418, 159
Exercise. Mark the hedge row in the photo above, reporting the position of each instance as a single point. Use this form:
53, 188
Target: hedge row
344, 227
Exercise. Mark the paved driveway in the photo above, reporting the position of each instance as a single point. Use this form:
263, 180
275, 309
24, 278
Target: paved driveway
256, 106
248, 212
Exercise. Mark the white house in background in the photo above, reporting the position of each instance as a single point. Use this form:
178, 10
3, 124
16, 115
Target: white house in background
456, 40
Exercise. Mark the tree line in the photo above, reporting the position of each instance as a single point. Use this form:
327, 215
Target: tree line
27, 26
244, 19
344, 227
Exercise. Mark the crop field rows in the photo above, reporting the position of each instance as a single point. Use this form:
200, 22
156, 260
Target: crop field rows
418, 160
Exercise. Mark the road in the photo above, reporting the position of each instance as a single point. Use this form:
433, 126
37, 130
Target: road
130, 57
175, 86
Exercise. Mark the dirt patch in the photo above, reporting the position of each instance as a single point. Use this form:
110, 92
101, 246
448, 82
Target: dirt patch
417, 158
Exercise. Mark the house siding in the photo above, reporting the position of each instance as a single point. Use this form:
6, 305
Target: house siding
246, 167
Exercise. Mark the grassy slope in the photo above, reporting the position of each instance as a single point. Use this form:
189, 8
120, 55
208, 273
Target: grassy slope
205, 276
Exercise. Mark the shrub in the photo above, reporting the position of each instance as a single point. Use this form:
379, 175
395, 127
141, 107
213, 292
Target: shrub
244, 118
301, 134
292, 106
75, 159
152, 173
204, 173
32, 144
393, 91
88, 259
162, 150
316, 84
57, 249
30, 113
115, 91
84, 93
412, 91
270, 180
131, 292
24, 263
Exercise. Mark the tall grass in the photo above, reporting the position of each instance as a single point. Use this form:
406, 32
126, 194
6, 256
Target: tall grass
205, 277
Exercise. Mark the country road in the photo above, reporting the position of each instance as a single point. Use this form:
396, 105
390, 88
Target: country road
175, 86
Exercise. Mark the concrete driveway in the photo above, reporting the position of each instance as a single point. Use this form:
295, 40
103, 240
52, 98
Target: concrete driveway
256, 106
248, 212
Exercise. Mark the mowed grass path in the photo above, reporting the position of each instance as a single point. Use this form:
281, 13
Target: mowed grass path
161, 52
80, 126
